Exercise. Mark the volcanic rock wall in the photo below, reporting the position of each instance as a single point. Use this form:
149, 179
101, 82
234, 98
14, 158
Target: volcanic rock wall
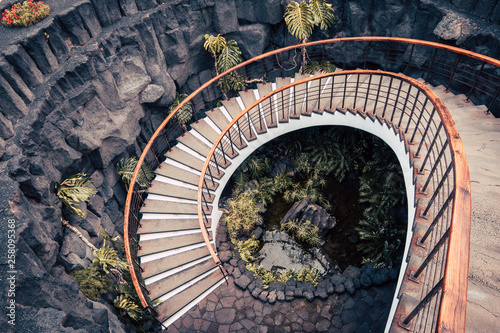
87, 86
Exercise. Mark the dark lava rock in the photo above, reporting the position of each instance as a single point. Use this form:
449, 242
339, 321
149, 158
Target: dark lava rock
305, 210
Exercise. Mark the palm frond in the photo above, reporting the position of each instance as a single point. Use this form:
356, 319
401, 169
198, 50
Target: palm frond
299, 19
75, 189
126, 168
323, 13
322, 67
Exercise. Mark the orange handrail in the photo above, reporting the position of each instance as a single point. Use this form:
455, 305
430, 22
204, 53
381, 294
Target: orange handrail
456, 50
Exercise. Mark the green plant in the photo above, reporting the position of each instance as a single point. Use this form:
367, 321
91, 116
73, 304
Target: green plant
126, 168
322, 67
301, 19
247, 248
309, 274
241, 215
303, 232
226, 54
92, 281
259, 270
75, 189
25, 14
126, 305
185, 113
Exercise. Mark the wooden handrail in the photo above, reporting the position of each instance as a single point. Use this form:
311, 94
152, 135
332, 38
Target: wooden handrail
409, 41
454, 296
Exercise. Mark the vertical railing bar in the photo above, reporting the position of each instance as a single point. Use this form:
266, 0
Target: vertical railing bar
378, 93
409, 59
412, 111
404, 105
396, 101
294, 101
231, 142
223, 153
438, 216
423, 302
345, 90
356, 92
366, 54
345, 56
216, 164
430, 65
424, 104
387, 55
431, 254
429, 150
282, 107
368, 92
457, 60
260, 115
441, 153
438, 188
239, 132
319, 94
331, 92
387, 97
475, 81
425, 131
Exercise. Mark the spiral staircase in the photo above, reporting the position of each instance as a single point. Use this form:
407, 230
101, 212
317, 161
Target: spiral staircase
179, 214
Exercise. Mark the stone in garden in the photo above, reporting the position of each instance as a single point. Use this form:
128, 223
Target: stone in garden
305, 210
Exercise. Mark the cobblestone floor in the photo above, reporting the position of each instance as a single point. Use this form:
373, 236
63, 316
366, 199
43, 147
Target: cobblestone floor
230, 309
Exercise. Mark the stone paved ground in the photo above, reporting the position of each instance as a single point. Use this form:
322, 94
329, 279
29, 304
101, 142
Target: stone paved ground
230, 309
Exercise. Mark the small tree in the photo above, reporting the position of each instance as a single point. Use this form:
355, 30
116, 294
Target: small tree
301, 19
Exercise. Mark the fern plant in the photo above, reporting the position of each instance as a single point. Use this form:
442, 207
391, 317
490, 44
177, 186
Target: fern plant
126, 168
75, 189
185, 113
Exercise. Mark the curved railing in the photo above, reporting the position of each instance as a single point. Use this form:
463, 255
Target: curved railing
458, 70
413, 110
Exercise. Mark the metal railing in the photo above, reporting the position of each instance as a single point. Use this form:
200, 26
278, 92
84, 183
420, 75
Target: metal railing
411, 110
458, 70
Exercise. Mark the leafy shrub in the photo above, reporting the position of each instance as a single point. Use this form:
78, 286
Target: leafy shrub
267, 277
247, 248
125, 305
306, 274
303, 232
92, 281
126, 168
25, 14
185, 113
75, 189
316, 66
241, 215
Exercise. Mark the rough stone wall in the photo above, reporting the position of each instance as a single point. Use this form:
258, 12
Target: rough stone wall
91, 92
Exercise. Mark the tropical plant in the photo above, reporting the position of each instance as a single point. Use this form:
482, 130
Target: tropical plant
185, 113
308, 274
92, 281
75, 189
241, 214
226, 54
107, 258
126, 305
301, 19
126, 168
247, 248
